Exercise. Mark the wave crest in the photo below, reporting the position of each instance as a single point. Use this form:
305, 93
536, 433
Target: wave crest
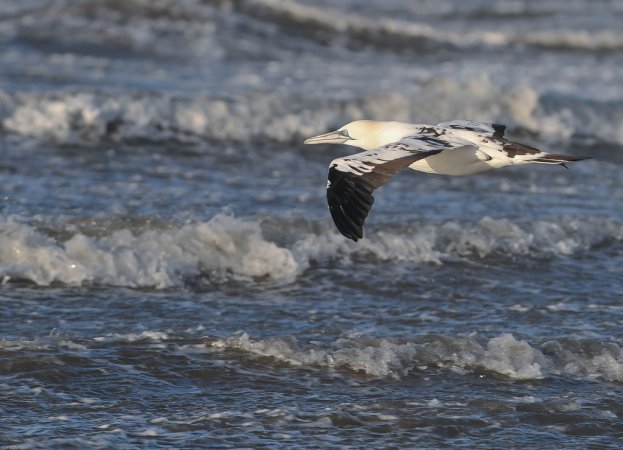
395, 35
228, 248
83, 118
503, 355
224, 248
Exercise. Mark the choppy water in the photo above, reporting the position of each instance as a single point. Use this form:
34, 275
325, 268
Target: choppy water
170, 275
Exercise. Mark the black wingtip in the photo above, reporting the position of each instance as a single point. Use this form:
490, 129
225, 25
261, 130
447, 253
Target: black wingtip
350, 200
344, 224
350, 188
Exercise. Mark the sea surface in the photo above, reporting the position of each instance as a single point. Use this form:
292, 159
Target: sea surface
170, 275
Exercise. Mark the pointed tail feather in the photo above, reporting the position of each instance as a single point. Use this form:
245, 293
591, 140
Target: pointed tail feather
556, 158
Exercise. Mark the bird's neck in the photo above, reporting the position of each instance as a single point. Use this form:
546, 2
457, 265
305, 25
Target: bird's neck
386, 133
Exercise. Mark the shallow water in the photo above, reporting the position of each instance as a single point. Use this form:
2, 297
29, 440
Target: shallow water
170, 276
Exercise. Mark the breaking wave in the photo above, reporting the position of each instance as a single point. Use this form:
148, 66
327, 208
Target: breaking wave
374, 357
397, 35
140, 29
228, 248
160, 28
87, 118
153, 258
502, 355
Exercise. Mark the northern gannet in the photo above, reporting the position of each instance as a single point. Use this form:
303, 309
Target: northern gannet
458, 147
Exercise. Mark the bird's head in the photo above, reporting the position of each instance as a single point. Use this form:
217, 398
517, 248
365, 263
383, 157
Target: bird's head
366, 134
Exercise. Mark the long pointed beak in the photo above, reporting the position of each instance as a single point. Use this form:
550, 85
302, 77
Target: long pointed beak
334, 137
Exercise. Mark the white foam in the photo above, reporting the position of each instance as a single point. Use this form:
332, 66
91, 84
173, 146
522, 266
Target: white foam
606, 364
43, 343
574, 39
149, 432
516, 97
84, 117
153, 336
418, 248
226, 247
528, 399
502, 355
431, 243
515, 359
381, 359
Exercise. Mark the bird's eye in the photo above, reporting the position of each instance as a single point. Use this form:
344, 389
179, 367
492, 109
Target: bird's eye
345, 133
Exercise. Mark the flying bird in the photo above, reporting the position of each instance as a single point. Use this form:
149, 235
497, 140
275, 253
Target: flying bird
458, 147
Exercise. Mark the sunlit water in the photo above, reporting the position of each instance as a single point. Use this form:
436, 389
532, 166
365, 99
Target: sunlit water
170, 274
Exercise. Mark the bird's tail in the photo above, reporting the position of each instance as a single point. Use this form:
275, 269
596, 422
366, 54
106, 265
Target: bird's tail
557, 158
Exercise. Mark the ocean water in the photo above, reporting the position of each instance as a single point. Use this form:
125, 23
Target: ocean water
169, 273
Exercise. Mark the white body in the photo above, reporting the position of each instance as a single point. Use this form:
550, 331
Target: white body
463, 161
479, 154
458, 147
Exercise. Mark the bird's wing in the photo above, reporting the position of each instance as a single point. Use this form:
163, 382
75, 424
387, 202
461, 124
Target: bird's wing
352, 179
494, 130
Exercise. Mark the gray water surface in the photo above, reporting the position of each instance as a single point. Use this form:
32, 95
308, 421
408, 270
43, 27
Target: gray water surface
170, 276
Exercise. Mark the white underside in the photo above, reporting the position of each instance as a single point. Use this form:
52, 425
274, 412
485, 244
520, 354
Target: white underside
460, 161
